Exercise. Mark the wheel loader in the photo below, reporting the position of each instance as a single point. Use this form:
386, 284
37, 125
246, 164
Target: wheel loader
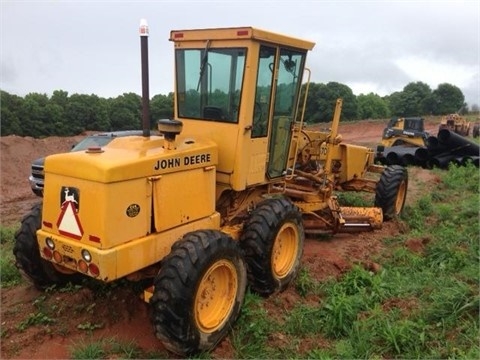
222, 200
455, 123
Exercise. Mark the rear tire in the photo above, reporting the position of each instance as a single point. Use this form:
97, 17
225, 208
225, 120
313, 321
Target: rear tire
391, 191
38, 271
273, 245
198, 292
476, 130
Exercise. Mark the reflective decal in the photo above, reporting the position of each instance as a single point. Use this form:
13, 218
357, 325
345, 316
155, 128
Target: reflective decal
68, 222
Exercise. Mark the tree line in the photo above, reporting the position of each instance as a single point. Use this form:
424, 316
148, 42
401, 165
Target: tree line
416, 99
38, 115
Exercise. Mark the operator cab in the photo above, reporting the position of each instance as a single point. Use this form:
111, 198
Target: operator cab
240, 87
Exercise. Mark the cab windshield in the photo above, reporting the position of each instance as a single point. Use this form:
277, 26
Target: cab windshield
209, 82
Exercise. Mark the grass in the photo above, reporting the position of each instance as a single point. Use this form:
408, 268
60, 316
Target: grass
350, 198
38, 318
252, 330
421, 304
305, 284
107, 348
9, 275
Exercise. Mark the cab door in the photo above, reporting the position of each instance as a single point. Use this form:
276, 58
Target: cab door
258, 149
288, 81
276, 97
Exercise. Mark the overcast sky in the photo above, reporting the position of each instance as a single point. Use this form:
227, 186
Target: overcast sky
372, 46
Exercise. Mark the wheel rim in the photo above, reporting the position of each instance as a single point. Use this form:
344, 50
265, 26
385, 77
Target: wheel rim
402, 189
285, 249
215, 298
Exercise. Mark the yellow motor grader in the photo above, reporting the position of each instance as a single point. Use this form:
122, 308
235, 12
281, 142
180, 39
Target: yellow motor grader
221, 200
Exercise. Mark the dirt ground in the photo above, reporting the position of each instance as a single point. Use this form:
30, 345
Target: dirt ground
83, 316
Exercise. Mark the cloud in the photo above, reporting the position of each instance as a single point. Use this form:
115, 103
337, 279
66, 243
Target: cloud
435, 72
379, 46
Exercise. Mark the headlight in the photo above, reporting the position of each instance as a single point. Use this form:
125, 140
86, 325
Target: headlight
50, 243
86, 255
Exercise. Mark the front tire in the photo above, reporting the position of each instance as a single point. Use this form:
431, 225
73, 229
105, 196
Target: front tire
391, 191
27, 254
273, 245
199, 292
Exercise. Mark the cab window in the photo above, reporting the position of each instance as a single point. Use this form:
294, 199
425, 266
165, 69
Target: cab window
209, 82
261, 108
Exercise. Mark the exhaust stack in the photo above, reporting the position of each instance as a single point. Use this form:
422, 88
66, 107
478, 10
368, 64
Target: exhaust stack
145, 86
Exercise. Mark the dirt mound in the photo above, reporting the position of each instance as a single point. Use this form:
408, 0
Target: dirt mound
16, 156
85, 315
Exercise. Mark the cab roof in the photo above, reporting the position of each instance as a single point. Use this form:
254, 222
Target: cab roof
239, 33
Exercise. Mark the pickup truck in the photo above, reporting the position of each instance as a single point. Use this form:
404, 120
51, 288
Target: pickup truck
36, 177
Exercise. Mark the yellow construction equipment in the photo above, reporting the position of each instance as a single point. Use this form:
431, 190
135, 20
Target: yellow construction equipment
220, 201
408, 131
456, 123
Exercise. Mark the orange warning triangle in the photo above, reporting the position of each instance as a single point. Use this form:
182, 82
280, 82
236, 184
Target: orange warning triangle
68, 222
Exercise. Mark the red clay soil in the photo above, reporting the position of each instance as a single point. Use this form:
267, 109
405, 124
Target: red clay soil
83, 316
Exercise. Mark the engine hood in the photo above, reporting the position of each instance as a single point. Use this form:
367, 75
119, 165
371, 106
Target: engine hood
133, 157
